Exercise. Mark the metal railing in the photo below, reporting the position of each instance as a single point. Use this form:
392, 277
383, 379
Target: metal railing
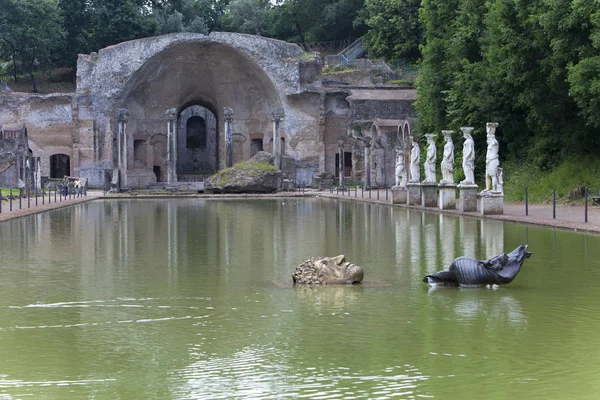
24, 199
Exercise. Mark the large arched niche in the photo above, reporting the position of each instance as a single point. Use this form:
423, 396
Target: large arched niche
206, 74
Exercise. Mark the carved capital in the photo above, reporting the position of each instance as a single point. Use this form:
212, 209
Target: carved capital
490, 128
341, 141
367, 141
228, 114
171, 113
122, 114
467, 130
277, 114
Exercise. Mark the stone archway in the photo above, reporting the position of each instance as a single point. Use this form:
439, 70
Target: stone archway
199, 79
197, 143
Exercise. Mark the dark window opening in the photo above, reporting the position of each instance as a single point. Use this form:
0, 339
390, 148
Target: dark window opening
60, 165
139, 151
347, 164
157, 173
196, 133
256, 145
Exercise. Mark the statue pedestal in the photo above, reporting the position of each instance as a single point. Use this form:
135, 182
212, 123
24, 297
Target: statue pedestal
414, 194
447, 196
467, 198
492, 203
429, 195
399, 195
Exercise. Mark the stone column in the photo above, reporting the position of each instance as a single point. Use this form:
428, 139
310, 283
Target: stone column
228, 113
121, 170
276, 116
467, 200
429, 187
447, 185
171, 146
341, 140
367, 142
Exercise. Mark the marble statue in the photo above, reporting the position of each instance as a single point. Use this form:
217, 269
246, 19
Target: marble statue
466, 271
415, 161
431, 159
492, 163
327, 270
400, 171
468, 163
448, 159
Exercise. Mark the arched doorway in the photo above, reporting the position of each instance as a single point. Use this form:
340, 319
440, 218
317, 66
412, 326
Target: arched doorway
197, 143
199, 79
60, 165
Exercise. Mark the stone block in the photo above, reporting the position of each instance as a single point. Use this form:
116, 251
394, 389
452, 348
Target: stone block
491, 203
429, 194
414, 194
467, 198
447, 197
399, 195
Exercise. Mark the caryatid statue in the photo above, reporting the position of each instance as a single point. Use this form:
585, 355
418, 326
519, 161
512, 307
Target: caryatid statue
491, 159
415, 161
431, 159
400, 171
468, 163
448, 159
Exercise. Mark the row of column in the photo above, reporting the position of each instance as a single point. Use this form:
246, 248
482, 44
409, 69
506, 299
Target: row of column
119, 178
430, 193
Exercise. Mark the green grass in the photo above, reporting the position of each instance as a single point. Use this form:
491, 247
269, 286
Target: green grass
565, 177
223, 177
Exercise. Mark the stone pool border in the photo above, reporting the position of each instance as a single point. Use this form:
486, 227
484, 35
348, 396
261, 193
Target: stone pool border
569, 217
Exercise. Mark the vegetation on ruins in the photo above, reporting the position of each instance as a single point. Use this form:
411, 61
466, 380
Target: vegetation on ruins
533, 65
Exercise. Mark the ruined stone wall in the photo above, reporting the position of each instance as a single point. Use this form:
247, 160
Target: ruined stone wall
250, 74
50, 121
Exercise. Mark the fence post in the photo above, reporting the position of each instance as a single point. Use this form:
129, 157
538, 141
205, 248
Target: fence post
526, 200
10, 195
554, 203
20, 198
586, 205
36, 196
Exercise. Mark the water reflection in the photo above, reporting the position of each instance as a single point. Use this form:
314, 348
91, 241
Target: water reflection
175, 299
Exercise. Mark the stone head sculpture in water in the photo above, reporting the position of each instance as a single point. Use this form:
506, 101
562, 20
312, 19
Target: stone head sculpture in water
327, 271
466, 271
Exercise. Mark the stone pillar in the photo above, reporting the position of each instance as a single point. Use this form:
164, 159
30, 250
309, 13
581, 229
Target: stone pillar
276, 116
171, 146
341, 140
447, 185
38, 172
367, 142
467, 199
228, 113
120, 173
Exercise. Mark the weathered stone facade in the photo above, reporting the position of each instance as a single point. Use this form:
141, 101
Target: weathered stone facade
199, 76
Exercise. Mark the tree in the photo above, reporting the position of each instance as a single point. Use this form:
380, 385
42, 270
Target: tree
32, 33
394, 28
248, 16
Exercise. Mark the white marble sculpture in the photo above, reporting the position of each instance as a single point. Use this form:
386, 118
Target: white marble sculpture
400, 171
492, 163
415, 161
430, 161
468, 163
448, 160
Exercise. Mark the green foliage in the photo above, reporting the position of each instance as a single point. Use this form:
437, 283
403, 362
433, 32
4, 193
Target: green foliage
568, 175
394, 28
532, 66
31, 32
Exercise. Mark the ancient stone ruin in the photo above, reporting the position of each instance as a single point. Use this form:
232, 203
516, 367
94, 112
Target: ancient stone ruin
174, 109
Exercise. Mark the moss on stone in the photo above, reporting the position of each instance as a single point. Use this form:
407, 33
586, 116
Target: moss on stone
227, 175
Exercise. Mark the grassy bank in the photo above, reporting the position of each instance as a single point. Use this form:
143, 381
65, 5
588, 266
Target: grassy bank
565, 177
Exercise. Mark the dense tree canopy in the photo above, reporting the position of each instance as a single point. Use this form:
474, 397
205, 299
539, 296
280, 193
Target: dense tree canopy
531, 65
